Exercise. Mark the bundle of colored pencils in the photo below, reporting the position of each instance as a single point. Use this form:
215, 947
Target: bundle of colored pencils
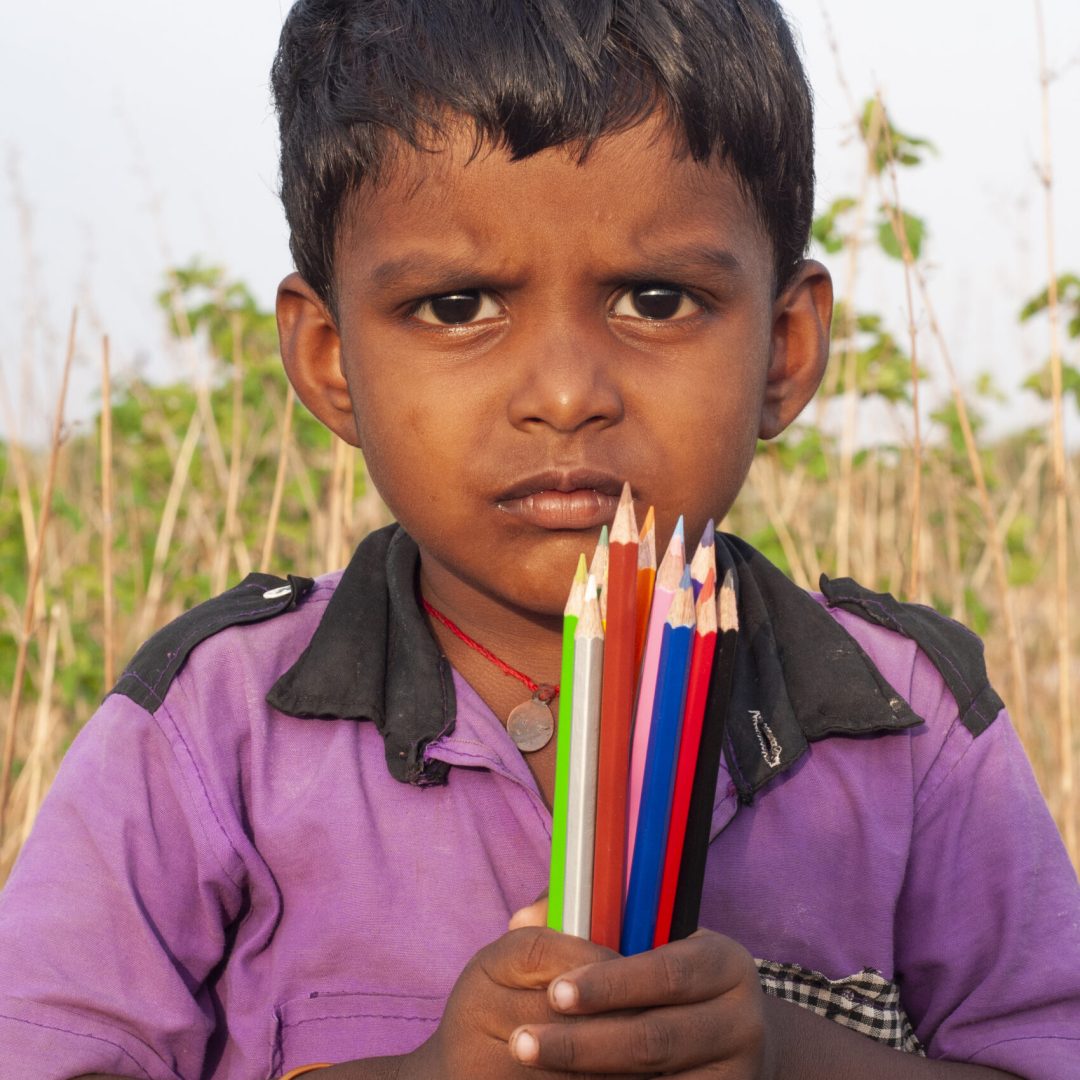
636, 764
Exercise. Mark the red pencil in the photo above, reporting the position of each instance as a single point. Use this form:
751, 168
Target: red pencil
697, 690
616, 713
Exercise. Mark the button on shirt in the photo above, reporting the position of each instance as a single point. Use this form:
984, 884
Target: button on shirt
215, 888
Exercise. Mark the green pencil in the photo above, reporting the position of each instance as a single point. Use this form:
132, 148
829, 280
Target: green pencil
559, 801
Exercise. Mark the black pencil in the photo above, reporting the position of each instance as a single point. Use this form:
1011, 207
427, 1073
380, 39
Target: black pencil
684, 919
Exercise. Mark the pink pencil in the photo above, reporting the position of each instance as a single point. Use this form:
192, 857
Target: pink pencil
667, 584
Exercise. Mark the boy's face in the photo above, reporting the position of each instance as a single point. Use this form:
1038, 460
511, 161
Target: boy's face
516, 339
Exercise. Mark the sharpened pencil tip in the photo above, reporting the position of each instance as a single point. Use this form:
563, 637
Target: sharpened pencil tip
709, 535
680, 529
576, 600
682, 612
729, 608
649, 524
624, 527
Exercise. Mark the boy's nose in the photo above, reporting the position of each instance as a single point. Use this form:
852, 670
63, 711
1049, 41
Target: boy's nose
565, 381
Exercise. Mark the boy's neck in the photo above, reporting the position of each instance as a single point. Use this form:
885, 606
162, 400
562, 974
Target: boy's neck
530, 645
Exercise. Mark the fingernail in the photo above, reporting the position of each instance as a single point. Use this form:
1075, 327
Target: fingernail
564, 994
524, 1046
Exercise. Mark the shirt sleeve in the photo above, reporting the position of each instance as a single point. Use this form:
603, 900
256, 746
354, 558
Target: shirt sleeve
988, 921
116, 911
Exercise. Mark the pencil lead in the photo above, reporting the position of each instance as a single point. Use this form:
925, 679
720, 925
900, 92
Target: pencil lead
686, 581
709, 535
680, 530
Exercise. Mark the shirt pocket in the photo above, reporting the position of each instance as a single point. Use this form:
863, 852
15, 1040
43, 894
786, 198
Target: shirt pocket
347, 1025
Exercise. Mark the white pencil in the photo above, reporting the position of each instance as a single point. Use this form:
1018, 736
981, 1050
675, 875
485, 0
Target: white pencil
584, 758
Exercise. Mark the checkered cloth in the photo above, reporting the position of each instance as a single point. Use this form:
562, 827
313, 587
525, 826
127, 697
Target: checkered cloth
866, 1002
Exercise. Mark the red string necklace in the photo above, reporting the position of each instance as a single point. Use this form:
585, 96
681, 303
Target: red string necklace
529, 724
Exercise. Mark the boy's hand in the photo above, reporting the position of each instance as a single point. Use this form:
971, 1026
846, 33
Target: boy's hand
503, 989
688, 1006
566, 1006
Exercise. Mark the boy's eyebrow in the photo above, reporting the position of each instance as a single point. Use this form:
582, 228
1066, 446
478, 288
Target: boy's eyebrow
437, 267
427, 264
690, 259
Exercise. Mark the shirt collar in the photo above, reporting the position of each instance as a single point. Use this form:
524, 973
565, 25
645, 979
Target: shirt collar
799, 676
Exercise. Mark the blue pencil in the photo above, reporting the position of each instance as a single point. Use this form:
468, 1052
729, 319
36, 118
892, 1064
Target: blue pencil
643, 895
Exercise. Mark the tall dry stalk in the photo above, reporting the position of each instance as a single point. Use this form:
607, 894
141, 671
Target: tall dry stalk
29, 608
279, 481
37, 759
334, 514
109, 613
229, 528
895, 212
177, 485
1061, 499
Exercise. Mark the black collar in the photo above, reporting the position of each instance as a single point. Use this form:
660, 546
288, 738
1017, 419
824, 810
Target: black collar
799, 675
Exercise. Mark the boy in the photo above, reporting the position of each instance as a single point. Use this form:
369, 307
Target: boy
543, 248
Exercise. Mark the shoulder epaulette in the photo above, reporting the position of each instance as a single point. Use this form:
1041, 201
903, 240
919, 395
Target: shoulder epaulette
146, 680
953, 649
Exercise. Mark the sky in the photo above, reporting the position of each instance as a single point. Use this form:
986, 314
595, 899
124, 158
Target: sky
138, 136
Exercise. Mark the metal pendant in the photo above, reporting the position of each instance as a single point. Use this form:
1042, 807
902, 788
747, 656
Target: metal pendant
531, 724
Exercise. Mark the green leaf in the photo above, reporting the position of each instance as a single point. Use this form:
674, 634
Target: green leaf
1041, 382
825, 229
885, 141
913, 228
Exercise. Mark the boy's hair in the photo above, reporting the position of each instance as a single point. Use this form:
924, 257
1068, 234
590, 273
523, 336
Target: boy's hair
350, 75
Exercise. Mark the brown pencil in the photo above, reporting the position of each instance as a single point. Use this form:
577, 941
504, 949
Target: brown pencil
616, 713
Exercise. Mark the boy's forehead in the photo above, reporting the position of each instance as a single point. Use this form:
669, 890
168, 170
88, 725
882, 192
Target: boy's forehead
639, 179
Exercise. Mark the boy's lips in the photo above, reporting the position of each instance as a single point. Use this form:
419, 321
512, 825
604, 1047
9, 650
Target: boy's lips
556, 500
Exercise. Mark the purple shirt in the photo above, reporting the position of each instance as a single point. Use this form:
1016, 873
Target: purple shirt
346, 902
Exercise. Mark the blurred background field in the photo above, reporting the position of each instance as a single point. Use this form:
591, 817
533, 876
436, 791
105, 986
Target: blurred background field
919, 471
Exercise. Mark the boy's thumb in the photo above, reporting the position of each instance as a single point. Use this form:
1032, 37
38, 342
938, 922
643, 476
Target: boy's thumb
533, 915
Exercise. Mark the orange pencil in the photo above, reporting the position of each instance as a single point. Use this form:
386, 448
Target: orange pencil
697, 692
646, 578
616, 713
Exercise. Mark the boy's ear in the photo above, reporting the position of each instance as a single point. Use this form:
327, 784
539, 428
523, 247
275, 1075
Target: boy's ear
311, 351
802, 315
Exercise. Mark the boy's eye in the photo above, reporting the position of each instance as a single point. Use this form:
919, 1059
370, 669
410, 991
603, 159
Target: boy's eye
457, 308
656, 302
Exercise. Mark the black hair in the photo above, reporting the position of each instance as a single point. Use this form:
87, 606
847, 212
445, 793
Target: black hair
350, 75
